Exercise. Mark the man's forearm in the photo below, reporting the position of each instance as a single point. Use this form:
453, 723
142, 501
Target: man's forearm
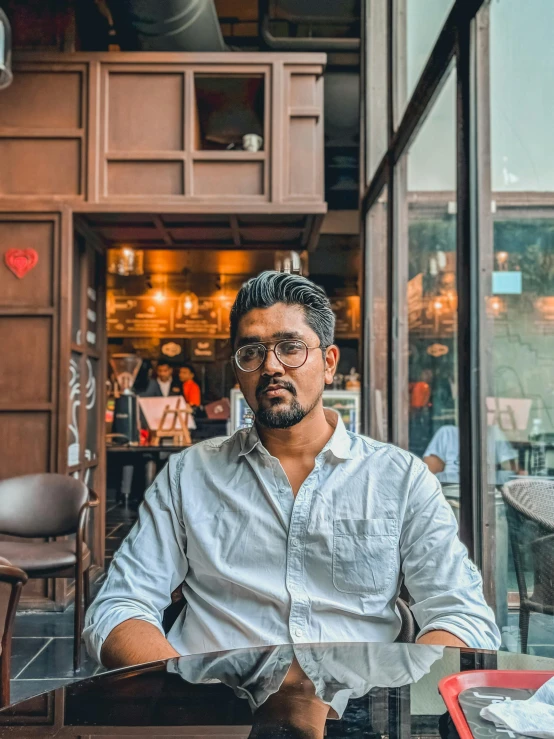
441, 638
135, 642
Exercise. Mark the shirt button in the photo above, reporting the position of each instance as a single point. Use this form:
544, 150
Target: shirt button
294, 542
298, 632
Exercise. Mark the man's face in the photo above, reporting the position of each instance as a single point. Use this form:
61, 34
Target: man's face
281, 396
164, 372
185, 374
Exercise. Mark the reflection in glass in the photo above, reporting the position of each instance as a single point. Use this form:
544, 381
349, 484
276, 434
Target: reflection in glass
517, 247
427, 224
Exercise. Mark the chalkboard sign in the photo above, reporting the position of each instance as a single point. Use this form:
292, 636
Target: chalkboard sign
146, 316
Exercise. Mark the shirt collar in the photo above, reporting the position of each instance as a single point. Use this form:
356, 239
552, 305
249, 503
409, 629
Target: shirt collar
338, 444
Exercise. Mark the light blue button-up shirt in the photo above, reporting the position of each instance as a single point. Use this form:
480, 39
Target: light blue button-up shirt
262, 567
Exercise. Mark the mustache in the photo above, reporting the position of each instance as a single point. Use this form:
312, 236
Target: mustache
266, 382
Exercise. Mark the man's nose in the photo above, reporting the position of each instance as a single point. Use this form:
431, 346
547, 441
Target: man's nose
271, 365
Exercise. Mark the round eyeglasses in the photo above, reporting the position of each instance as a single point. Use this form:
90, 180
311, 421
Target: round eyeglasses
291, 353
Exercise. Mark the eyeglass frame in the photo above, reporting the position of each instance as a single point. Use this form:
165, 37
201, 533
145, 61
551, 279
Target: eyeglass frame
267, 350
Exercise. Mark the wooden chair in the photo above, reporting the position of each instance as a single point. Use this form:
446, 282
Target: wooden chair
48, 506
12, 579
530, 514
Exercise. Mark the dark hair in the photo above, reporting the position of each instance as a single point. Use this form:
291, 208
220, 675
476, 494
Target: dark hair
270, 287
186, 365
164, 360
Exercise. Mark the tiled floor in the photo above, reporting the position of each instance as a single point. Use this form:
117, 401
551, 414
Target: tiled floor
42, 651
42, 647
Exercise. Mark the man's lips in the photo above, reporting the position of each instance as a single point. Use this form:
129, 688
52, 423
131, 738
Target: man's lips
273, 392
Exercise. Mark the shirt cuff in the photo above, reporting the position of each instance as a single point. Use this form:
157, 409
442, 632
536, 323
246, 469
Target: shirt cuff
95, 634
475, 633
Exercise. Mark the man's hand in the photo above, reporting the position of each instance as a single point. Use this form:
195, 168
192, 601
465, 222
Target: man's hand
442, 638
135, 642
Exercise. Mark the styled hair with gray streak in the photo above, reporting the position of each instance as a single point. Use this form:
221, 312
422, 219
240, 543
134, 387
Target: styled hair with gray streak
270, 287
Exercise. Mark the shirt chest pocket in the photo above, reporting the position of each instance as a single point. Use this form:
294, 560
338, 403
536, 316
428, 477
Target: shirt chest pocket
364, 554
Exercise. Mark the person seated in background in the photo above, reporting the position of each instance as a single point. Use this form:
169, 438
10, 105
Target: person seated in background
294, 530
163, 384
190, 388
442, 456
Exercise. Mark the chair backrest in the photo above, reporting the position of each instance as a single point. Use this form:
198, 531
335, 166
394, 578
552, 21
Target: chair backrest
407, 633
41, 505
532, 497
530, 514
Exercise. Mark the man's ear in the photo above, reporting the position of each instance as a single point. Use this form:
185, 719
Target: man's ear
332, 356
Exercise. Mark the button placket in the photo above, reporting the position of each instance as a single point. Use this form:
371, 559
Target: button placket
295, 557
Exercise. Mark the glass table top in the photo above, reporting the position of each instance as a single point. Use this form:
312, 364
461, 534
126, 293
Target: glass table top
335, 690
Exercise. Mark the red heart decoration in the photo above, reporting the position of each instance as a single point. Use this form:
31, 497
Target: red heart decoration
21, 261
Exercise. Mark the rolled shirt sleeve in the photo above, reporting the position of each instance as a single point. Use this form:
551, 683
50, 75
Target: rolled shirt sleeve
148, 566
446, 586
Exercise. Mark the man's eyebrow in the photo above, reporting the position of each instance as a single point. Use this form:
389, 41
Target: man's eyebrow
278, 336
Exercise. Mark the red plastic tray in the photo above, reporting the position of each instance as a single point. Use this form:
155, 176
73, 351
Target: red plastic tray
450, 687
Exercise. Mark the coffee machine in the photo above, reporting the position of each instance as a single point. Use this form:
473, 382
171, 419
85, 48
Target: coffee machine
126, 413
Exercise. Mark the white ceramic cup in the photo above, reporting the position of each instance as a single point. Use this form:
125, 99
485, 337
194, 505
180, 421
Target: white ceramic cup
252, 142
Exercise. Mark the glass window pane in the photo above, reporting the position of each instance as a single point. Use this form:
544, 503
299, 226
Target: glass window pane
378, 300
418, 24
91, 406
517, 249
375, 103
426, 222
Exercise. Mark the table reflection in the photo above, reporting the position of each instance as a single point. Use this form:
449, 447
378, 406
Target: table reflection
307, 691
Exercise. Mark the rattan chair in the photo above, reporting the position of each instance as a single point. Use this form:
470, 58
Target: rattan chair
530, 514
49, 506
12, 579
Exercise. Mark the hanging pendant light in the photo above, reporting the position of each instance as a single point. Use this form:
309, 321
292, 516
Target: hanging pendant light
125, 261
188, 301
6, 75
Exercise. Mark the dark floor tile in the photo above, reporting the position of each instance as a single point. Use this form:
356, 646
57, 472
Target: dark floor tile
23, 650
22, 689
56, 661
44, 624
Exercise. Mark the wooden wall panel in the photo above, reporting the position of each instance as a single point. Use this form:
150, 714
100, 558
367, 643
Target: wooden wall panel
35, 166
26, 343
145, 178
145, 112
27, 458
231, 179
43, 100
36, 288
303, 145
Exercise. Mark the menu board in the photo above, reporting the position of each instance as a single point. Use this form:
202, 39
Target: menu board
146, 316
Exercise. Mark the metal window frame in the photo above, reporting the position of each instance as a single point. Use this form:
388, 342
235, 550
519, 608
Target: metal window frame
457, 41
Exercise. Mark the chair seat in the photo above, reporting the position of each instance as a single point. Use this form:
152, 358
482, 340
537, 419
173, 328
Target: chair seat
39, 559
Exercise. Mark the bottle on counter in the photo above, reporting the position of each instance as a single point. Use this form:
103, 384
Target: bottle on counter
537, 465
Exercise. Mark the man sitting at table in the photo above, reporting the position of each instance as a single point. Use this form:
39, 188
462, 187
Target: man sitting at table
293, 531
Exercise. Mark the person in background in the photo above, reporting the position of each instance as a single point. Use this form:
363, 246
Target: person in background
163, 384
190, 388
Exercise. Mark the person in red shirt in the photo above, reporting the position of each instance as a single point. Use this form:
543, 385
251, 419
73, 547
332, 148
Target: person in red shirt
190, 389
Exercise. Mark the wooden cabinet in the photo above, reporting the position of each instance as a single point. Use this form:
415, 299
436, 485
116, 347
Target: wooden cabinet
153, 130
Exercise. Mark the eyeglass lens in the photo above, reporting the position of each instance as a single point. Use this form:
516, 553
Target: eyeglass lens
290, 353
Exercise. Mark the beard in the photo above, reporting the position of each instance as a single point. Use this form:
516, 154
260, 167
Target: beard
281, 414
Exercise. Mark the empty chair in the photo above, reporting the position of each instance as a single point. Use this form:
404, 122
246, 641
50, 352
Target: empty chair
46, 506
530, 514
12, 579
